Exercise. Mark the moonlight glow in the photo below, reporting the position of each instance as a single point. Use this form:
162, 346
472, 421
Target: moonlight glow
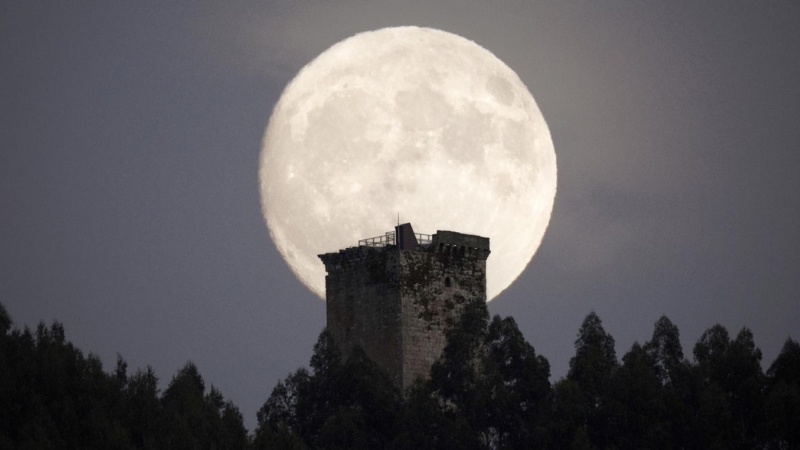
413, 121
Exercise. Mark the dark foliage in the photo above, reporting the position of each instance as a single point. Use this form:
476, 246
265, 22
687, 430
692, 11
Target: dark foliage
52, 396
591, 370
347, 405
490, 390
781, 426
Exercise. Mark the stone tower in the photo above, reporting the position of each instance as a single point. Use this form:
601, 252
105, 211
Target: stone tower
395, 295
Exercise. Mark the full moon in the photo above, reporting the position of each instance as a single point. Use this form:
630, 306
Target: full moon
410, 121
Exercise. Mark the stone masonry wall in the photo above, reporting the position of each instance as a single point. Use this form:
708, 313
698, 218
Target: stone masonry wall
398, 304
435, 285
363, 304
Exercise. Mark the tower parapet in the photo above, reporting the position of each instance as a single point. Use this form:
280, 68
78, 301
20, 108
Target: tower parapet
397, 294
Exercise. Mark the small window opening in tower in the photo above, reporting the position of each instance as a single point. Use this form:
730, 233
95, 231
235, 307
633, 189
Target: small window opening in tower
447, 282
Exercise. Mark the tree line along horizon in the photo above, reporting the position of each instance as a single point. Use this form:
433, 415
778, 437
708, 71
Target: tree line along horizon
489, 390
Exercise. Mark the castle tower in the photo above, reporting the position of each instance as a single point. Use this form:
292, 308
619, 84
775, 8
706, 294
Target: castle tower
395, 295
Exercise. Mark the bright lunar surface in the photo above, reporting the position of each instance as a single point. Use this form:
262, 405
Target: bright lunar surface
414, 121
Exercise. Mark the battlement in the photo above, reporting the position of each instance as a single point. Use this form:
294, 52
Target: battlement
461, 240
445, 242
350, 254
459, 244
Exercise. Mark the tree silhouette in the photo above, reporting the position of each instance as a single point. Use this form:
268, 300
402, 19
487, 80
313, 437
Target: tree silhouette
665, 350
592, 368
679, 384
516, 388
142, 409
193, 419
782, 423
489, 390
636, 403
731, 382
338, 405
52, 396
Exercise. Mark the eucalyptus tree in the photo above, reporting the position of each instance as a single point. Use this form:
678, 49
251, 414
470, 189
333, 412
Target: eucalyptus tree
730, 402
191, 418
636, 407
516, 385
782, 422
338, 404
591, 369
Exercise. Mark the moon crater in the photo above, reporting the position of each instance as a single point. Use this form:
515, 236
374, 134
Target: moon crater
413, 121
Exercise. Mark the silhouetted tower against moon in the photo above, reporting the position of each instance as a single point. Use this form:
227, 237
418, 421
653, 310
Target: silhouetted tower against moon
395, 295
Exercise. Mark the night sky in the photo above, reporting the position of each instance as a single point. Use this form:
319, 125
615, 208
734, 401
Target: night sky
130, 136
